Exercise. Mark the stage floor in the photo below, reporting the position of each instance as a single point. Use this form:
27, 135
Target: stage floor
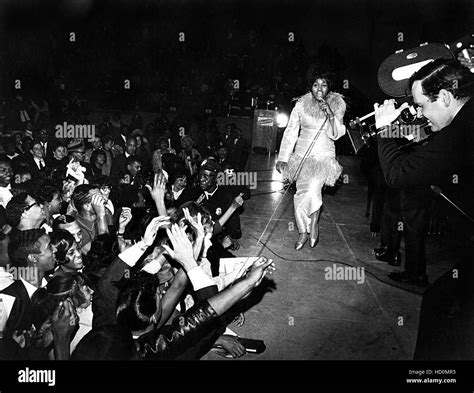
301, 314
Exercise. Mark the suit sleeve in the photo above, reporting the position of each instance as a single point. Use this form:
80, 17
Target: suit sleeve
105, 299
425, 166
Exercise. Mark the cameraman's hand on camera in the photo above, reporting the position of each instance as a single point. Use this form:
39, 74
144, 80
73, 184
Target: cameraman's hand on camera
387, 113
281, 166
182, 248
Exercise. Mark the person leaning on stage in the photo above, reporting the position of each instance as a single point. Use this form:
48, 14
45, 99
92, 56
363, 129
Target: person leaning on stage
442, 90
155, 340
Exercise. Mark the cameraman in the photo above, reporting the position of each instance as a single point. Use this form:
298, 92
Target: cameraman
442, 91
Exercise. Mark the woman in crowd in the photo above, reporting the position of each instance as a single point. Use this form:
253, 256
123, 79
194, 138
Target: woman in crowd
67, 253
98, 160
178, 181
66, 287
189, 155
161, 147
59, 158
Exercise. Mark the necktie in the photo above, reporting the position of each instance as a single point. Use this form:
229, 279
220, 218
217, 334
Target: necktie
41, 164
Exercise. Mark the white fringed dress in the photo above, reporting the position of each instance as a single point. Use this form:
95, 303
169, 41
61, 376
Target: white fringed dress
320, 166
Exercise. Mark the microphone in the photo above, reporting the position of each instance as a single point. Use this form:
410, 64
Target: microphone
319, 97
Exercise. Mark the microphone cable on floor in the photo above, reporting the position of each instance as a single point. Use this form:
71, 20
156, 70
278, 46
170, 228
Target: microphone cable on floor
341, 263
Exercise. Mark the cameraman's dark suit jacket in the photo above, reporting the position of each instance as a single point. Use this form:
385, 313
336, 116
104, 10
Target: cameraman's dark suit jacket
446, 160
448, 156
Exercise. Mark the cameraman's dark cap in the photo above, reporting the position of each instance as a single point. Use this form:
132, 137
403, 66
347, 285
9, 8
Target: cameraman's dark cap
210, 165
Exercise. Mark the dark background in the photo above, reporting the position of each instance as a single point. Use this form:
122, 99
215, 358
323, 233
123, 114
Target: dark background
224, 40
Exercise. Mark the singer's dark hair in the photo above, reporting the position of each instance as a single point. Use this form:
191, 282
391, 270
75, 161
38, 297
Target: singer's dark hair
444, 74
316, 72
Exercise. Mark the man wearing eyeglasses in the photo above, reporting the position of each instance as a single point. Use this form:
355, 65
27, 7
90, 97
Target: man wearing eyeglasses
25, 212
77, 152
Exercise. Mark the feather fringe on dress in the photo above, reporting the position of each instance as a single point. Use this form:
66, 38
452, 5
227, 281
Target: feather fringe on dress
327, 169
324, 168
334, 100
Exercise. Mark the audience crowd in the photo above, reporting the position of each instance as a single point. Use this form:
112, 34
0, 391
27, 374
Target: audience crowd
111, 245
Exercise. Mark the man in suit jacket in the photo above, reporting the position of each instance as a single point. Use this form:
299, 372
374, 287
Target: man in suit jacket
36, 160
46, 143
218, 198
119, 165
31, 257
446, 160
239, 150
443, 90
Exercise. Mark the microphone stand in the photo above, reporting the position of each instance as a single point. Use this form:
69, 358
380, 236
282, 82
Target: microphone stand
438, 191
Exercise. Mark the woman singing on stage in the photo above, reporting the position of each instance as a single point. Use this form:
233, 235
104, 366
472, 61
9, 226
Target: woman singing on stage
307, 151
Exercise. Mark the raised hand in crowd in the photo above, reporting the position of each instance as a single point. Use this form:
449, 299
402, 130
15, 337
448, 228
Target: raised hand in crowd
152, 229
64, 323
469, 61
196, 224
157, 192
259, 269
241, 288
238, 201
124, 219
98, 204
182, 251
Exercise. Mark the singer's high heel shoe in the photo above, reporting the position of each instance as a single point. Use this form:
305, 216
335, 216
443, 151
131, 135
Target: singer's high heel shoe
301, 241
314, 226
314, 239
313, 242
